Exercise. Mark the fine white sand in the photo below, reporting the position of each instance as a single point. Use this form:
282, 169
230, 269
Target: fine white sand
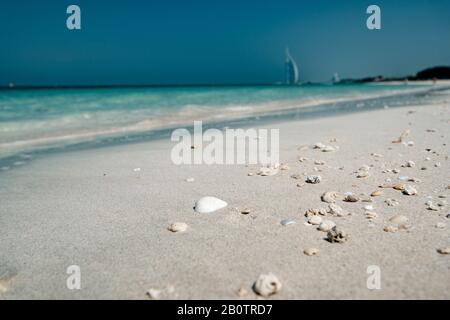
91, 209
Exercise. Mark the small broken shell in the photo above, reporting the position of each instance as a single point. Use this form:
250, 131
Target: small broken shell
409, 191
154, 294
351, 198
313, 179
315, 220
336, 210
287, 222
398, 219
178, 227
390, 229
311, 251
267, 285
376, 193
337, 235
326, 225
315, 211
444, 250
329, 196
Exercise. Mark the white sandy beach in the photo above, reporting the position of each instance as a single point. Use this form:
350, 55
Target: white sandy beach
90, 208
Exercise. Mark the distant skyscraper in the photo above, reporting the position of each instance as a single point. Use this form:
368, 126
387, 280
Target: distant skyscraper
291, 69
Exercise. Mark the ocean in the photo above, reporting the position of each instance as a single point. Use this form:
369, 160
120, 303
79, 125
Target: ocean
40, 120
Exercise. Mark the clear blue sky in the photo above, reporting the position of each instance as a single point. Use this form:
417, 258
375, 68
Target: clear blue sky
210, 41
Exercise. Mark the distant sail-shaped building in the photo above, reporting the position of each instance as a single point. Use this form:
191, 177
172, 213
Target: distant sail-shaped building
291, 69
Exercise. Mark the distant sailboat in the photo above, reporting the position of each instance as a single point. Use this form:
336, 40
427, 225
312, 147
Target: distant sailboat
291, 69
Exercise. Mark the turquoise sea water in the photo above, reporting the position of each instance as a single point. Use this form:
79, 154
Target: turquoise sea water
39, 119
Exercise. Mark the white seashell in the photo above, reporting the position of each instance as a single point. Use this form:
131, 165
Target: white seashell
313, 179
336, 210
444, 250
319, 145
315, 220
190, 180
209, 204
409, 190
287, 222
368, 207
178, 227
154, 294
362, 174
137, 169
328, 149
267, 284
326, 225
398, 219
329, 197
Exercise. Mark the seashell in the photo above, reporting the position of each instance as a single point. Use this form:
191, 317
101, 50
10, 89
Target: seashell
328, 149
398, 219
351, 198
315, 220
329, 196
313, 179
371, 215
319, 145
409, 164
178, 227
209, 204
337, 235
402, 137
395, 171
444, 250
368, 207
267, 171
440, 225
267, 285
190, 180
390, 229
154, 294
376, 193
287, 222
137, 169
431, 206
319, 162
437, 164
391, 202
362, 174
399, 186
314, 212
311, 251
410, 191
336, 210
326, 225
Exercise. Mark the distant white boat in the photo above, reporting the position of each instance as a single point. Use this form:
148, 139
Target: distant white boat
291, 69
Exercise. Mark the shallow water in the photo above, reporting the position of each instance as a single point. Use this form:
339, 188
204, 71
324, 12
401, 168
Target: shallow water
38, 121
